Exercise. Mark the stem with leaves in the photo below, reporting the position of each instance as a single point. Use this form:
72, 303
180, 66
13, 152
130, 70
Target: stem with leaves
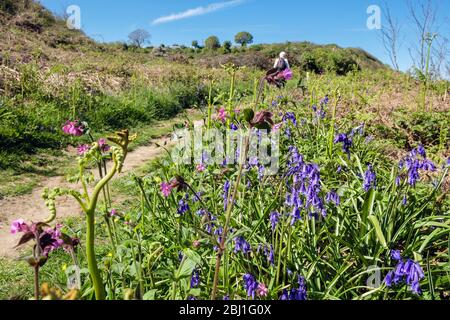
222, 245
89, 203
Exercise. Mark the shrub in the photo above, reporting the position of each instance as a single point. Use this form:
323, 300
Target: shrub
322, 60
212, 43
8, 6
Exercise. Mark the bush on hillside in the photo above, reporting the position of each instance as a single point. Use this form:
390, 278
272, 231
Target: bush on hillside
323, 60
8, 6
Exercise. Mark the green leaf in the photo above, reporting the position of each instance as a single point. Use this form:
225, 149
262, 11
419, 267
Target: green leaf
378, 231
249, 114
188, 265
150, 295
369, 203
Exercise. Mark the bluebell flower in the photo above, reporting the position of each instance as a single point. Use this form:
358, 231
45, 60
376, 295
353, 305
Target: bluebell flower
209, 227
358, 130
183, 205
253, 162
268, 252
296, 215
300, 294
250, 285
302, 288
421, 151
305, 191
290, 116
413, 165
284, 295
197, 197
428, 165
241, 245
325, 100
274, 219
261, 172
370, 179
333, 197
321, 113
218, 231
405, 200
396, 255
234, 127
389, 279
347, 142
195, 279
206, 157
408, 272
287, 133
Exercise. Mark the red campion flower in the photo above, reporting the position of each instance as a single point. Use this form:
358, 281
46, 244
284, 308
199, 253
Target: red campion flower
166, 189
263, 120
73, 128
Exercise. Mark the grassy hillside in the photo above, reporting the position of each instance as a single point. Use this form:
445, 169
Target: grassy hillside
49, 74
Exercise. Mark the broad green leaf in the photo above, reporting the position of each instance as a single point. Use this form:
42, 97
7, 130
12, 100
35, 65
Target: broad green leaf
376, 224
150, 295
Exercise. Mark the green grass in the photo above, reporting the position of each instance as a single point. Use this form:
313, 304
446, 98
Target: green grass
16, 280
52, 163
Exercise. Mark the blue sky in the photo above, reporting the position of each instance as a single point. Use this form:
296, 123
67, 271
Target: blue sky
170, 22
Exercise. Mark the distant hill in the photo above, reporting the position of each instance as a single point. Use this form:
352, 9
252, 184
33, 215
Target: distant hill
29, 32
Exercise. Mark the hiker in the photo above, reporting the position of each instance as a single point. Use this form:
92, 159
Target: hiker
282, 62
281, 71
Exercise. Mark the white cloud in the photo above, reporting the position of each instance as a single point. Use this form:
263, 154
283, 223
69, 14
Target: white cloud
197, 11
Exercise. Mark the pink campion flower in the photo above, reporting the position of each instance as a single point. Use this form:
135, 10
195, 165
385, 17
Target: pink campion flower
52, 239
262, 291
82, 149
113, 213
222, 115
201, 167
287, 74
166, 189
19, 226
103, 145
73, 128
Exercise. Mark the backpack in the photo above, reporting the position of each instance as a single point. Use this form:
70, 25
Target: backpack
282, 65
